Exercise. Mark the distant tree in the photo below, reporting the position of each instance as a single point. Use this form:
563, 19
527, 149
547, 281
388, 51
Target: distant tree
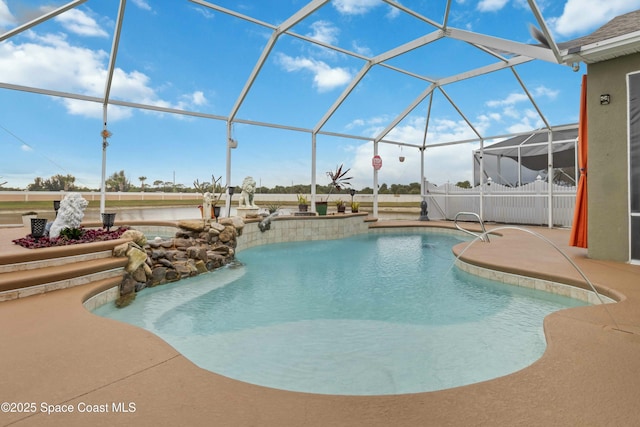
414, 188
142, 180
366, 190
118, 182
158, 183
463, 184
60, 182
55, 183
38, 185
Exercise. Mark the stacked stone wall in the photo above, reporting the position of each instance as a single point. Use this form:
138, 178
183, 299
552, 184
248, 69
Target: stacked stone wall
198, 247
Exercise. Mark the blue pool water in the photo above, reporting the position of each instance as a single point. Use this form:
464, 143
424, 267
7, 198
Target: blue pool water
367, 315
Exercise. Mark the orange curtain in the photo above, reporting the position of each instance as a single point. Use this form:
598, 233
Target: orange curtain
579, 228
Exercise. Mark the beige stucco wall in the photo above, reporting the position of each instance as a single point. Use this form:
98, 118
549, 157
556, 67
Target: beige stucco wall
608, 233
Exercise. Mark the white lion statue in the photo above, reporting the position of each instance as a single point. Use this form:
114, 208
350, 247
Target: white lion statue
70, 214
248, 190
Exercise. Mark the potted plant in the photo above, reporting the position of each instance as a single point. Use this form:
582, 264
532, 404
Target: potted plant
273, 208
26, 218
355, 206
204, 188
303, 203
340, 206
338, 180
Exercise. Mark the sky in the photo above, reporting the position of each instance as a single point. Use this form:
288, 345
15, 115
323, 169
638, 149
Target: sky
185, 56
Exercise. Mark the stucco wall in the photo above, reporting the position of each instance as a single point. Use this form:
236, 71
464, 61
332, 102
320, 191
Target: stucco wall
608, 233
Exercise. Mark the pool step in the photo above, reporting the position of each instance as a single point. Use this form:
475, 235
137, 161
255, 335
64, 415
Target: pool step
52, 262
22, 283
35, 271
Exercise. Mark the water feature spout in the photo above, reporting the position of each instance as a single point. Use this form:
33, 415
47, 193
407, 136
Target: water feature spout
265, 224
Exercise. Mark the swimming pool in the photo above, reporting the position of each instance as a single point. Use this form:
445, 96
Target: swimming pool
367, 315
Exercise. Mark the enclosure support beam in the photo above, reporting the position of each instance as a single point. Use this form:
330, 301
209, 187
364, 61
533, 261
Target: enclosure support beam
550, 179
313, 172
481, 180
105, 101
375, 182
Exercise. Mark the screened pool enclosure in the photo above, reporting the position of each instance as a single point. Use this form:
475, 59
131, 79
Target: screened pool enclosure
418, 80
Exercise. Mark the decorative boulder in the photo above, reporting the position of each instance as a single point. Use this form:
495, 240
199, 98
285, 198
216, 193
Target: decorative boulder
136, 236
192, 225
137, 257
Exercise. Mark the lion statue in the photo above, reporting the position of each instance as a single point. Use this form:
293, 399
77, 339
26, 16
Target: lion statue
70, 213
248, 190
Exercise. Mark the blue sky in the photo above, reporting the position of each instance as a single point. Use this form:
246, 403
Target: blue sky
179, 54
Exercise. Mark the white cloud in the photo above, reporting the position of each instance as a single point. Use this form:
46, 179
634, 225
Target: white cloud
206, 13
94, 110
25, 147
362, 50
394, 12
325, 78
355, 7
491, 5
324, 31
78, 22
511, 99
6, 18
37, 63
542, 91
529, 119
449, 163
355, 123
192, 99
361, 7
582, 16
142, 4
518, 97
198, 98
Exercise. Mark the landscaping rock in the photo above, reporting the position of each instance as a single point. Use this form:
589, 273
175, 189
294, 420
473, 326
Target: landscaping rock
195, 252
120, 250
137, 257
216, 228
136, 236
201, 267
192, 225
125, 300
128, 285
158, 275
139, 275
229, 233
198, 247
172, 275
165, 262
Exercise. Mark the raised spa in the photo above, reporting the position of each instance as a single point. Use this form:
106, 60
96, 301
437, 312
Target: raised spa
367, 315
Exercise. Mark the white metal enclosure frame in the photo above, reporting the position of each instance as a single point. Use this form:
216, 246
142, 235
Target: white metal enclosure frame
506, 54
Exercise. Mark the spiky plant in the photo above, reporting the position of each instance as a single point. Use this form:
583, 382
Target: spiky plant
338, 179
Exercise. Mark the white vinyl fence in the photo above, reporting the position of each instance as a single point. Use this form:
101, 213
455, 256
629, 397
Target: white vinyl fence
527, 204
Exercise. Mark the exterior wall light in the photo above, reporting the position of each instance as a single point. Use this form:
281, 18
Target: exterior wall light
605, 99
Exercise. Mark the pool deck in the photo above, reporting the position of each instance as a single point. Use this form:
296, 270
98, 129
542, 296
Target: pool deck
54, 352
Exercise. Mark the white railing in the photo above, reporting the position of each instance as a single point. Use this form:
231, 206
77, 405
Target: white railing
527, 204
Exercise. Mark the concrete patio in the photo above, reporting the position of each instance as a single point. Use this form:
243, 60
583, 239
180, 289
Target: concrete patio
54, 352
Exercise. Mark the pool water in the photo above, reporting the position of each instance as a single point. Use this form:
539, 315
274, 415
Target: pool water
366, 315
